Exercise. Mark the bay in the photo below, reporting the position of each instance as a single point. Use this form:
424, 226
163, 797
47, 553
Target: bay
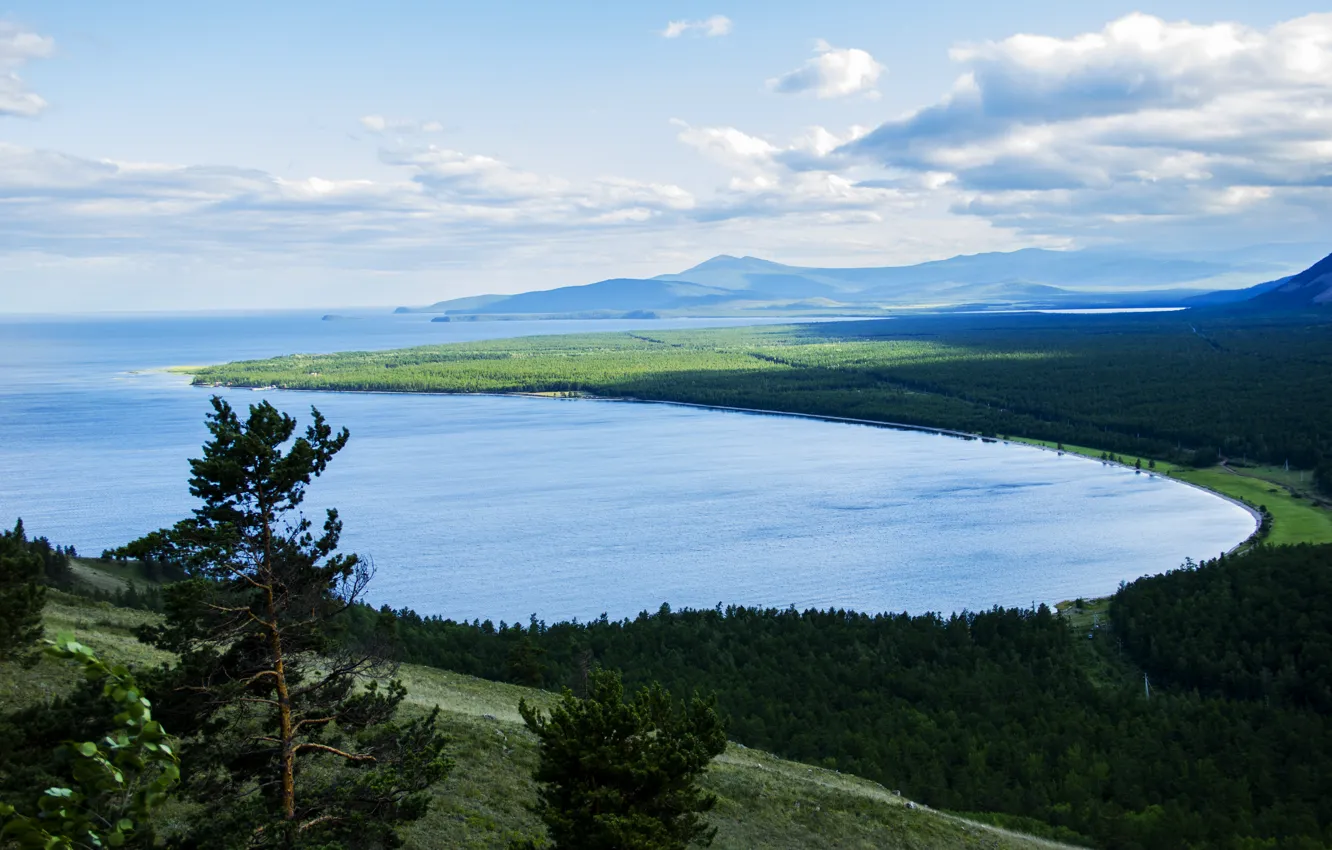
503, 507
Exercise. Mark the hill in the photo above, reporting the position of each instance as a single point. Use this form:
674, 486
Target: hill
764, 801
1310, 288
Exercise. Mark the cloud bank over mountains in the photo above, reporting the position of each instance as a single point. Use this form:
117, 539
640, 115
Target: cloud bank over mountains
1144, 120
1144, 129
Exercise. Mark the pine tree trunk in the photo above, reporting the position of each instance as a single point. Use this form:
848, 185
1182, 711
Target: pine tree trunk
286, 735
284, 715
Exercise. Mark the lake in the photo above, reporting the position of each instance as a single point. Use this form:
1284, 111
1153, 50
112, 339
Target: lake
503, 507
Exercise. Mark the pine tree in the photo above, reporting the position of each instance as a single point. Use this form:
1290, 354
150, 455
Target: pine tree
624, 776
265, 695
22, 597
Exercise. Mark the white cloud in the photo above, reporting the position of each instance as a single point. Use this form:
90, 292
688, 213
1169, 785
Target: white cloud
833, 72
774, 180
1146, 120
61, 205
717, 25
472, 182
380, 124
17, 46
471, 177
728, 146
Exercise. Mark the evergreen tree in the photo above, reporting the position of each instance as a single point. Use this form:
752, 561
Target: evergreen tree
22, 597
1323, 475
624, 776
265, 694
524, 663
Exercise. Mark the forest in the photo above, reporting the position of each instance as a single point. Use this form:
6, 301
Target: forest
1022, 713
1187, 387
1254, 628
1036, 719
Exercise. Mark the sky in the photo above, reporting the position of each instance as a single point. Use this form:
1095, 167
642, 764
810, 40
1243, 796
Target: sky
182, 156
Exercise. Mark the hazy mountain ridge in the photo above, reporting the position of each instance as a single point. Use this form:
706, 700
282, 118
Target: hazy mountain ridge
1031, 278
1063, 269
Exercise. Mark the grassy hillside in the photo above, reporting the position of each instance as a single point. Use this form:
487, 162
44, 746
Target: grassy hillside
764, 801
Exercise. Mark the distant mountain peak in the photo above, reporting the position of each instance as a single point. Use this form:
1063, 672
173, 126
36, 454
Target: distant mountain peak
729, 261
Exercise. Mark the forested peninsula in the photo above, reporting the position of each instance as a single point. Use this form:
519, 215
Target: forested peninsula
1234, 402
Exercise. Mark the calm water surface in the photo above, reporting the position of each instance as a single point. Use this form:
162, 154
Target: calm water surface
484, 506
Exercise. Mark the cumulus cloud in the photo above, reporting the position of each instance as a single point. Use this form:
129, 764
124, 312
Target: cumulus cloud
717, 25
71, 206
472, 177
791, 178
1144, 119
380, 124
17, 46
833, 72
475, 182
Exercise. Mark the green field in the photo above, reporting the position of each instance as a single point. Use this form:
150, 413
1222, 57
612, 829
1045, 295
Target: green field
1145, 386
1294, 520
764, 801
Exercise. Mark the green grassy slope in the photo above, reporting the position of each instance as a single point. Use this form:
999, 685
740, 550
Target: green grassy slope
110, 576
763, 801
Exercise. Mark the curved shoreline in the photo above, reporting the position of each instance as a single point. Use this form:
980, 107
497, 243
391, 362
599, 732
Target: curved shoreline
820, 417
898, 426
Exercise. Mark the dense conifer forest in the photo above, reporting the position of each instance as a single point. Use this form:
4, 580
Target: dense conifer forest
1189, 386
1257, 627
1016, 712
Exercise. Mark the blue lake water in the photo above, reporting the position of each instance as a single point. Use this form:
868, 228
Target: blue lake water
500, 507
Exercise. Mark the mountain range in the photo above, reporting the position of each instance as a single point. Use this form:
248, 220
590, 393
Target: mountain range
1031, 278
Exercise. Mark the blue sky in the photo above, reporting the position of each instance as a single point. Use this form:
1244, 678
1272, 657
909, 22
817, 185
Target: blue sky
183, 156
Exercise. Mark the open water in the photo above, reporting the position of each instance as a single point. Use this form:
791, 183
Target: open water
501, 507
